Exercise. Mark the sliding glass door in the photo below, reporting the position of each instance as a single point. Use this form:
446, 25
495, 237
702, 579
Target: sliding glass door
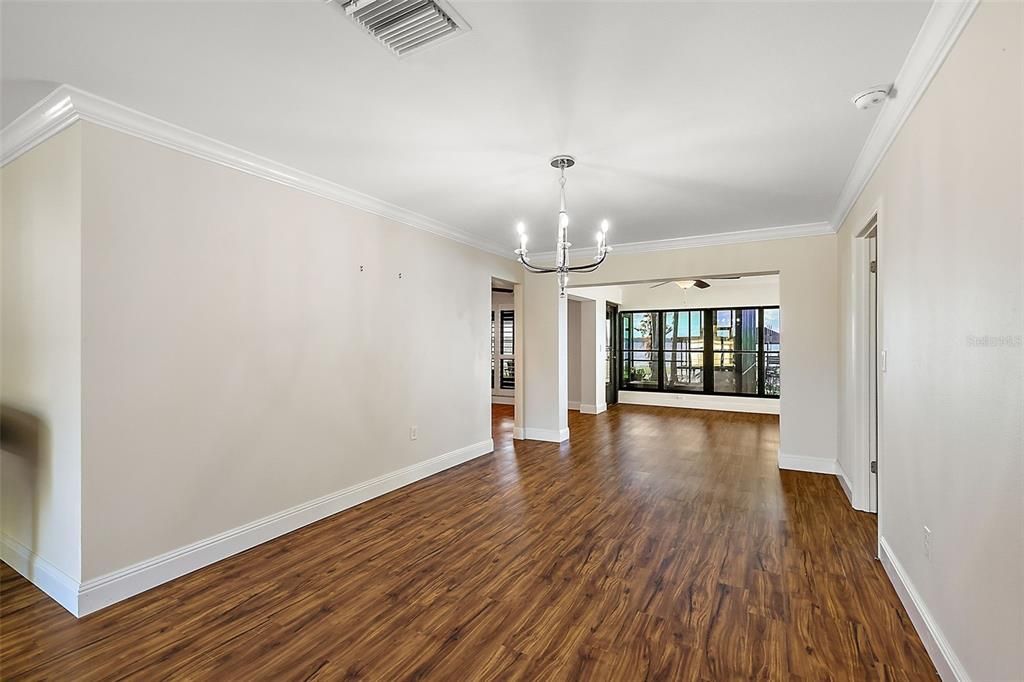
611, 355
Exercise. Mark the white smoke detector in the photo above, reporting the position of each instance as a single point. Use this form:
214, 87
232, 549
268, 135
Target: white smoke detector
872, 96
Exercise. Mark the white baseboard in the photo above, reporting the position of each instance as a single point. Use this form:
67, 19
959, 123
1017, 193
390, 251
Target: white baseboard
814, 465
593, 409
549, 435
61, 587
503, 400
943, 657
574, 405
518, 433
100, 592
723, 403
844, 482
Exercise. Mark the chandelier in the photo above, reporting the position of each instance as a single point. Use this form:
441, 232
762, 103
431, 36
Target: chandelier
562, 267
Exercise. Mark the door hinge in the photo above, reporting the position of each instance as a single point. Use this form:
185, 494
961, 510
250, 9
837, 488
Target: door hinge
874, 467
874, 266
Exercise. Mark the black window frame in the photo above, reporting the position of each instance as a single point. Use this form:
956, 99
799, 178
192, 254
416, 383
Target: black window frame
708, 351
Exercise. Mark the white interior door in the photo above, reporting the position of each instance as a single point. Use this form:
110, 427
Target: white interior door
873, 371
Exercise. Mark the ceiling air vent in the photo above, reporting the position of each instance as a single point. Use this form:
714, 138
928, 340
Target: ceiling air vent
404, 26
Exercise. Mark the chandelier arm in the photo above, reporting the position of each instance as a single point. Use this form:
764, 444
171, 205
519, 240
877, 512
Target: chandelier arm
590, 267
533, 268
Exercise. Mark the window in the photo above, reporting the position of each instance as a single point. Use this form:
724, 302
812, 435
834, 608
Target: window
669, 350
772, 343
735, 346
639, 354
503, 348
508, 332
683, 355
508, 373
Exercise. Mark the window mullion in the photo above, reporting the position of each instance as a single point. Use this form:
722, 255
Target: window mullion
658, 344
709, 350
760, 352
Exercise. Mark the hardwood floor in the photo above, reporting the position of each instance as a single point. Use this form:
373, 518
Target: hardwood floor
659, 544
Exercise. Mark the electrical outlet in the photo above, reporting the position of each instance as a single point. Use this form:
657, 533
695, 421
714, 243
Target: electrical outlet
413, 435
927, 542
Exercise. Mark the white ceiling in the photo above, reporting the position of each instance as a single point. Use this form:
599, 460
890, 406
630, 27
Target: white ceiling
686, 118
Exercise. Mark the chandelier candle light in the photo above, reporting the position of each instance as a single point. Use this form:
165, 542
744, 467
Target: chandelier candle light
562, 266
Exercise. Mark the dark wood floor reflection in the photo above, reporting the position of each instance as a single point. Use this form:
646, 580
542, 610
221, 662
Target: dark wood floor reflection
660, 544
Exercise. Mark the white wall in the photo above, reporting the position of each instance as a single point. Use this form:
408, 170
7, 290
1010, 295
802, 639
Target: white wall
807, 298
41, 356
951, 252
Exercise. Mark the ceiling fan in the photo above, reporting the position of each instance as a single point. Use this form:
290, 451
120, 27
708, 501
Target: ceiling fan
688, 283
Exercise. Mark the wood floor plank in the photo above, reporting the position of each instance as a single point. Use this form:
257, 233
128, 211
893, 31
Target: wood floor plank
658, 544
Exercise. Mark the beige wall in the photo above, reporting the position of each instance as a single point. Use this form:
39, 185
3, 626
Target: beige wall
951, 252
545, 360
807, 297
41, 349
237, 363
607, 294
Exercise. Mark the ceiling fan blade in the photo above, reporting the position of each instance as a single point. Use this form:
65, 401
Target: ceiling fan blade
662, 284
700, 284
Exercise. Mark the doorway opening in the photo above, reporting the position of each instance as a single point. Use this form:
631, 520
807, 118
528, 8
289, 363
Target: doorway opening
709, 342
611, 363
503, 343
505, 373
592, 380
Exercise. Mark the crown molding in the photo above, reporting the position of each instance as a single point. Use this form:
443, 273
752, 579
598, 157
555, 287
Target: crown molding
66, 105
939, 32
720, 239
43, 120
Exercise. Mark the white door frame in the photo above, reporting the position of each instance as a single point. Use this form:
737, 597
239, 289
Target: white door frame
862, 365
518, 431
873, 376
